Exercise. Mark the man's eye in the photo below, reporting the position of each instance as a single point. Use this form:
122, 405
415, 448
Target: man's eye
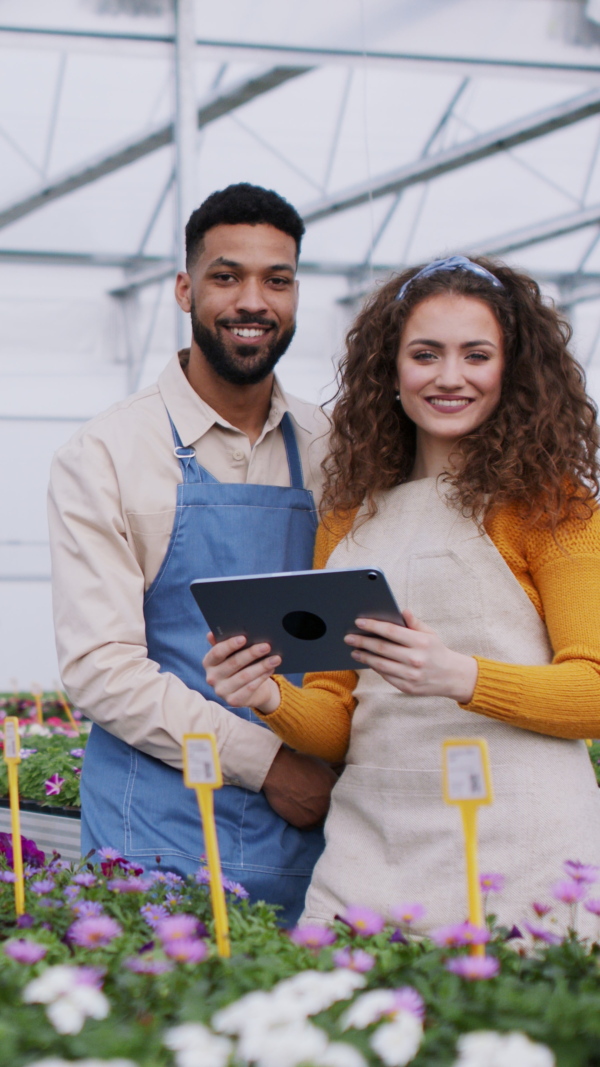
224, 277
280, 283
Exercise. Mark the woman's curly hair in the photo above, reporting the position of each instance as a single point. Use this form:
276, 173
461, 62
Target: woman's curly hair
538, 449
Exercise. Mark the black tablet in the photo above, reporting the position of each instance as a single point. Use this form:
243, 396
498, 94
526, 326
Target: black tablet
304, 615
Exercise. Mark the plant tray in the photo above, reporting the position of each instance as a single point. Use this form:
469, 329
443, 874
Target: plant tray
52, 829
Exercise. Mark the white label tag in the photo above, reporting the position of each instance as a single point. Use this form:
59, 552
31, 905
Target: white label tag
11, 747
466, 778
200, 762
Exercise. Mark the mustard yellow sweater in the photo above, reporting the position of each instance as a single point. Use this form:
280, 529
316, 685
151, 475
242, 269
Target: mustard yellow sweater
562, 579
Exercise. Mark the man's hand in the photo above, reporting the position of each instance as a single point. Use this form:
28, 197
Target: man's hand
298, 788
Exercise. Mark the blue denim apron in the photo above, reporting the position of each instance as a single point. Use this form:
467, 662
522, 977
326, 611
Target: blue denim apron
138, 804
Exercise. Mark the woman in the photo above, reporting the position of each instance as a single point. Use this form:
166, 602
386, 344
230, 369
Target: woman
463, 463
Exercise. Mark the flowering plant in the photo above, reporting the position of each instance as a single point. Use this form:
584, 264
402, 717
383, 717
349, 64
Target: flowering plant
51, 753
117, 963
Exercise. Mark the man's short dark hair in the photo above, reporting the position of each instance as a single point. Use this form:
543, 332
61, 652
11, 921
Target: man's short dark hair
237, 205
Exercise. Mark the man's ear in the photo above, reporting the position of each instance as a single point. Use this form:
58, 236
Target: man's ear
183, 290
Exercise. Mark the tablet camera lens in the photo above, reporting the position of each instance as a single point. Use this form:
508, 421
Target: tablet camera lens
373, 576
304, 625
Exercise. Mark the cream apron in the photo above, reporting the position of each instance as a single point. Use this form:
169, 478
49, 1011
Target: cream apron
390, 839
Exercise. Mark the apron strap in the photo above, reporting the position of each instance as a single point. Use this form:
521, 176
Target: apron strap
292, 451
191, 469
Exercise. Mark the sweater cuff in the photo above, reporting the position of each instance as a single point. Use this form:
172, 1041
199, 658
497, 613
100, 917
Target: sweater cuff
279, 717
498, 691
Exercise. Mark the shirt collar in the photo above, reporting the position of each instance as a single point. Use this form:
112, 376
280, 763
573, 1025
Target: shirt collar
193, 417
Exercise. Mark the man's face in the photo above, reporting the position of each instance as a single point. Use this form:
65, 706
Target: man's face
243, 298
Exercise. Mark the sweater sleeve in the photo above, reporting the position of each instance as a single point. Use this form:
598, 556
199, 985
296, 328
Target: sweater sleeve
316, 718
562, 699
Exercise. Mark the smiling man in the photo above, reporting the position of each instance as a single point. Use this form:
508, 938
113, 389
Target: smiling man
213, 471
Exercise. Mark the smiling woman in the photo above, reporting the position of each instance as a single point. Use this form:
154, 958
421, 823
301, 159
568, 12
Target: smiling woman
463, 463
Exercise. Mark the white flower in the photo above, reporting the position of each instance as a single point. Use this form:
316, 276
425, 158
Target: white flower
340, 1054
35, 729
486, 1048
70, 1001
397, 1043
282, 1046
315, 991
237, 1016
54, 1061
292, 1000
368, 1008
195, 1045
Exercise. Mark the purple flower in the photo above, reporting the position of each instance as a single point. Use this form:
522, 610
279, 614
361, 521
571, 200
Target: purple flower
569, 892
45, 885
86, 909
177, 928
398, 938
8, 876
25, 753
147, 965
592, 906
405, 914
540, 934
159, 877
459, 934
86, 879
128, 885
202, 876
77, 753
154, 914
236, 888
94, 932
25, 922
473, 967
186, 950
407, 999
31, 853
354, 959
48, 902
173, 879
581, 872
109, 854
312, 936
491, 883
71, 892
541, 909
54, 785
24, 951
364, 921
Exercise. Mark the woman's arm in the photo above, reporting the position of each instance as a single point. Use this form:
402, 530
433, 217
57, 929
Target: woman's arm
563, 699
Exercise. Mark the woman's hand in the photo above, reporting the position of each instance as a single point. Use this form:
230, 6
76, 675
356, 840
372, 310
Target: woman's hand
414, 659
242, 676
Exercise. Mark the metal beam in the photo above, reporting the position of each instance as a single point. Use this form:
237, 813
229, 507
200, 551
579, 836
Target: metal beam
81, 259
214, 108
533, 235
245, 51
481, 147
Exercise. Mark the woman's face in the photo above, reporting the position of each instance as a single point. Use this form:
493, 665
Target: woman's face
450, 366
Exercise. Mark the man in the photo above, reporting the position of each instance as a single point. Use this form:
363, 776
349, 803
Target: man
200, 475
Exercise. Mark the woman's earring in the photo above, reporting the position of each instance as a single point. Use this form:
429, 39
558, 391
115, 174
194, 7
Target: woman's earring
397, 396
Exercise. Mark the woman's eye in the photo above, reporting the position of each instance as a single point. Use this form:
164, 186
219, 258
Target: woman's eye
478, 357
424, 357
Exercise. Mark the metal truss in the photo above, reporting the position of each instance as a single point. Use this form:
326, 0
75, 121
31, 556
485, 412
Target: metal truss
214, 108
541, 231
481, 147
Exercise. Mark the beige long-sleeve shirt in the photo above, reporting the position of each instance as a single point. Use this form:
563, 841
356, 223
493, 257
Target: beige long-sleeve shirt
112, 504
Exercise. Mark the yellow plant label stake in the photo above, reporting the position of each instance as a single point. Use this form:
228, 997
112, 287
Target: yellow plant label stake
64, 703
12, 758
36, 693
467, 781
202, 772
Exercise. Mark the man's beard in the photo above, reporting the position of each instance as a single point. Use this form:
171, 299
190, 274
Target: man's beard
244, 367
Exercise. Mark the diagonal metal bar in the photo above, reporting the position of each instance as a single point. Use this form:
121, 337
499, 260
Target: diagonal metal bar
214, 108
532, 235
58, 88
482, 147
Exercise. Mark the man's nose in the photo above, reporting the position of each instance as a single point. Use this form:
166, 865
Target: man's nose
250, 296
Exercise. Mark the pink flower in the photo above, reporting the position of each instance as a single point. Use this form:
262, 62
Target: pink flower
491, 883
177, 928
86, 909
24, 951
364, 921
540, 934
569, 892
592, 906
541, 909
147, 965
459, 934
354, 959
312, 936
473, 967
581, 872
54, 785
407, 913
186, 950
94, 932
109, 854
407, 999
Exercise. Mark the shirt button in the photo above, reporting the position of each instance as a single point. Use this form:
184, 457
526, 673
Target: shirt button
237, 454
